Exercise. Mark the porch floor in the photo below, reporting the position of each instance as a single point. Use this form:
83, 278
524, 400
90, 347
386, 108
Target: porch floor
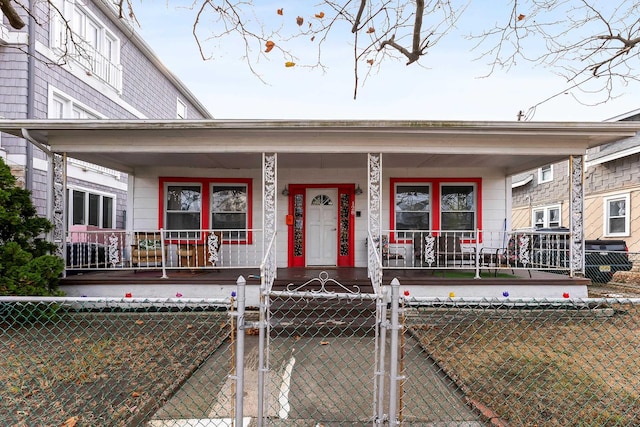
299, 275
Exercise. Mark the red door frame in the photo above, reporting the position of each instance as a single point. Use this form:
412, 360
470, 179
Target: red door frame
301, 189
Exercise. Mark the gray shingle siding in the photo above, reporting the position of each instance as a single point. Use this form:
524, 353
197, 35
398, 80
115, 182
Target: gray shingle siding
145, 89
535, 193
605, 177
613, 175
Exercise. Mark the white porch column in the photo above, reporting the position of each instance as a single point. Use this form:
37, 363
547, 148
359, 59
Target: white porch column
269, 199
576, 212
374, 195
58, 194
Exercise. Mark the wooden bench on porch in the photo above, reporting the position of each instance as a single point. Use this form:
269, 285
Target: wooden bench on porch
146, 249
441, 251
195, 253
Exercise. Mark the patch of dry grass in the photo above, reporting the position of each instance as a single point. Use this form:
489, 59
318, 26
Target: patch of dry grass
553, 367
98, 369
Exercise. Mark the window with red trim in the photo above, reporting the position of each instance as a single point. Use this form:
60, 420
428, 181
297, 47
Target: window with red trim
436, 204
458, 207
229, 210
221, 204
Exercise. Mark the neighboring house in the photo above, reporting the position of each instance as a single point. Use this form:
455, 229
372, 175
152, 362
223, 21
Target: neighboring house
611, 192
267, 195
107, 72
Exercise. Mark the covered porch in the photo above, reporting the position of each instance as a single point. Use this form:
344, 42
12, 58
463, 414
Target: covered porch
321, 195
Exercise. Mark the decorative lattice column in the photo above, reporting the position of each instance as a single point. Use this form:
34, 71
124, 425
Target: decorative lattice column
576, 212
374, 194
58, 194
269, 200
374, 215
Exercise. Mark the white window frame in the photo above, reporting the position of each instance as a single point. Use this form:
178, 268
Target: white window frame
87, 192
546, 211
102, 55
71, 107
607, 216
181, 110
544, 174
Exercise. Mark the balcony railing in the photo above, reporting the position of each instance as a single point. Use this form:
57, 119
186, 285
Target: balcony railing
95, 63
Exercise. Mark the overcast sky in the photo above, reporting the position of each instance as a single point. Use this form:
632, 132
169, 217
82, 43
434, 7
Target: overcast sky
449, 85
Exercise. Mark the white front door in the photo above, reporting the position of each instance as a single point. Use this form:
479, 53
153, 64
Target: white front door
322, 226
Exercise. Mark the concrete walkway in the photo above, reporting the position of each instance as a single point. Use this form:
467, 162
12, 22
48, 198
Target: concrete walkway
316, 381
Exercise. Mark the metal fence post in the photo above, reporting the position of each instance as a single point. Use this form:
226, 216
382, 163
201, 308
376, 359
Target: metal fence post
241, 282
382, 344
393, 354
261, 349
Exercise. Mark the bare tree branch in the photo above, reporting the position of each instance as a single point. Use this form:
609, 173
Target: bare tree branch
585, 41
591, 43
12, 15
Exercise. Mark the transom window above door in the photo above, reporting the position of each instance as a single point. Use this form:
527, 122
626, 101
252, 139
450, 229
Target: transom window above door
321, 200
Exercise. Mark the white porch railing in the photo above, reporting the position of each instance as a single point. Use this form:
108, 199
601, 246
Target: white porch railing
477, 250
224, 249
163, 249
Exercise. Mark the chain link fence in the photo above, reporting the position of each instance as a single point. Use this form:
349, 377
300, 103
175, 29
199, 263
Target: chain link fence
106, 362
320, 359
526, 363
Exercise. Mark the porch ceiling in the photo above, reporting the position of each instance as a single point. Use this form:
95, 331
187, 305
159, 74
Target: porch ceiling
508, 163
512, 147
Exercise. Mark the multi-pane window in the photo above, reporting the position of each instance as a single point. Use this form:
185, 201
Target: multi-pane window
207, 204
616, 215
229, 210
545, 174
89, 208
80, 36
457, 207
61, 106
412, 206
183, 208
435, 204
546, 216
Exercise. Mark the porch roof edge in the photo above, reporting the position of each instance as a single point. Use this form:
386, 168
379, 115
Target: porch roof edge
629, 128
591, 133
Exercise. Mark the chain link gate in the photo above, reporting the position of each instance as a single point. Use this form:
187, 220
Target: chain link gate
335, 356
321, 350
